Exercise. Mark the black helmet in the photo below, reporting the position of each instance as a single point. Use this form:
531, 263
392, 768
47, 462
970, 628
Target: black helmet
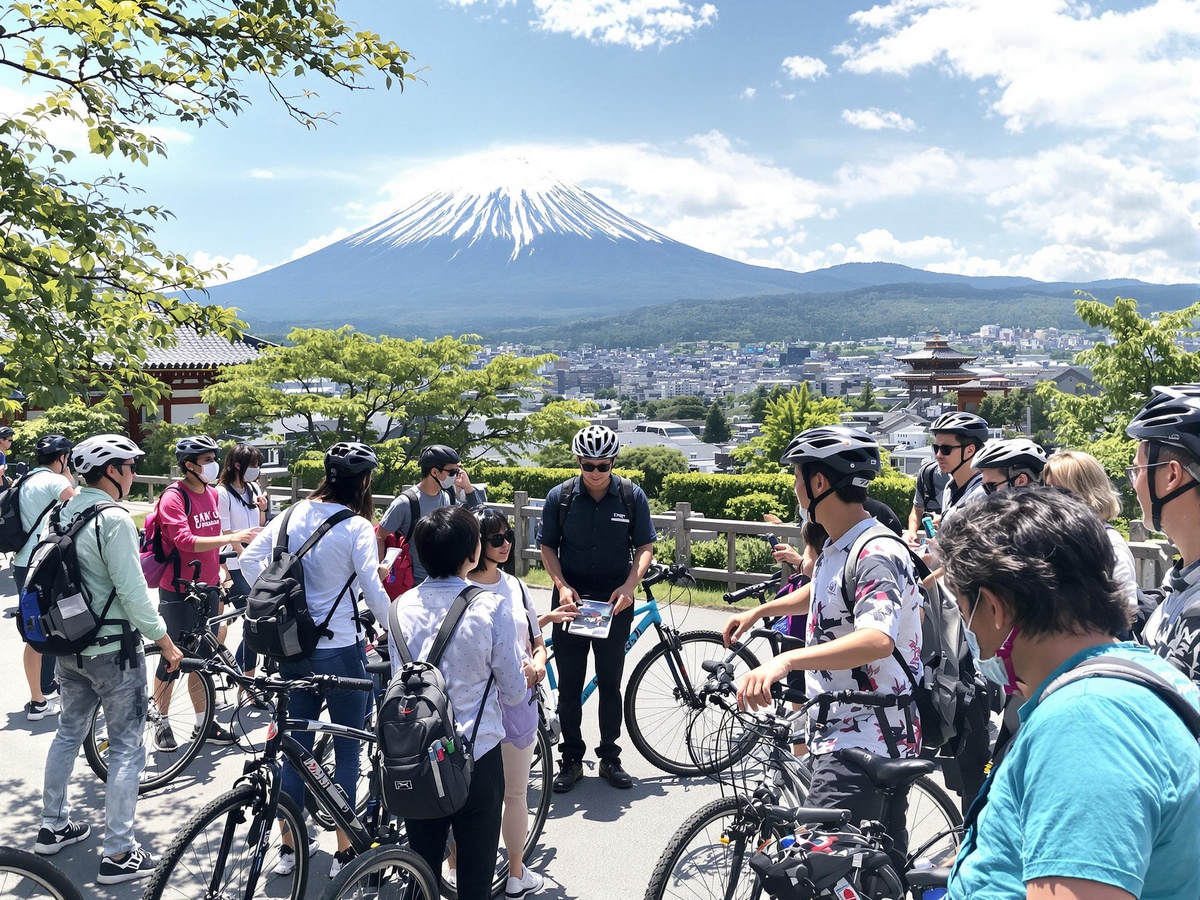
435, 456
349, 458
964, 424
52, 445
1018, 453
187, 447
6, 433
845, 450
1171, 418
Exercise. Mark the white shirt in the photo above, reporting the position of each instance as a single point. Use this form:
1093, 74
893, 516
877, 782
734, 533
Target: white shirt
348, 548
1124, 572
525, 616
40, 489
235, 515
483, 646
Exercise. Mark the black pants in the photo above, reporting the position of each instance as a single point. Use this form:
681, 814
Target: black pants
839, 785
476, 830
570, 658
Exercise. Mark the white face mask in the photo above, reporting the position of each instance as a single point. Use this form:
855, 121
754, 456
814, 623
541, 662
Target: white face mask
447, 482
209, 471
252, 474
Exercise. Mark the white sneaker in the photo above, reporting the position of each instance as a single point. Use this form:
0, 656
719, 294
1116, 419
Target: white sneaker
450, 877
341, 858
530, 882
287, 857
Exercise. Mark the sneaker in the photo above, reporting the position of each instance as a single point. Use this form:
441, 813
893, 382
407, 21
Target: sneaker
611, 771
164, 738
35, 711
341, 858
450, 877
53, 693
569, 773
287, 857
530, 882
50, 841
216, 734
138, 863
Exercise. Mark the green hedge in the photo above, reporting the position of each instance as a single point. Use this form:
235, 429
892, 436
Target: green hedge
751, 553
753, 506
503, 481
710, 494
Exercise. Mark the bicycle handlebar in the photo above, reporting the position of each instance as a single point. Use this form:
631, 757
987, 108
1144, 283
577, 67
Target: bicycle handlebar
676, 573
274, 684
755, 590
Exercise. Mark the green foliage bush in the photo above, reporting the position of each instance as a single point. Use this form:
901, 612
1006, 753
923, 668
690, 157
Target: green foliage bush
534, 481
656, 462
753, 506
751, 554
72, 419
710, 494
895, 489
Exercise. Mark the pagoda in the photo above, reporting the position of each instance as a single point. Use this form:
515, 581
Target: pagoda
935, 369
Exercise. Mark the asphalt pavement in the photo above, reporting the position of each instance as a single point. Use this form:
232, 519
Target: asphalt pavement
599, 842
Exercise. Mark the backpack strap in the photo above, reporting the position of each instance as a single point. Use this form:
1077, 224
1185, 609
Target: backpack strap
336, 519
625, 489
414, 510
1108, 666
176, 558
92, 514
566, 496
457, 609
526, 603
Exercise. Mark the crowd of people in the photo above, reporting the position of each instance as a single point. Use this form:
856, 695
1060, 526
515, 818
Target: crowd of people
1089, 788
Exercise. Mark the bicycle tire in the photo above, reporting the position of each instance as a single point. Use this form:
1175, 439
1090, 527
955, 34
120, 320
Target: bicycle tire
364, 877
161, 766
26, 876
659, 720
934, 823
192, 863
697, 863
541, 772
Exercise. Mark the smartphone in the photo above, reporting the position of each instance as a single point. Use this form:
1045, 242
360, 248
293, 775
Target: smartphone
390, 557
927, 524
772, 540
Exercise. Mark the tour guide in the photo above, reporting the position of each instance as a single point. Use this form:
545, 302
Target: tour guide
597, 541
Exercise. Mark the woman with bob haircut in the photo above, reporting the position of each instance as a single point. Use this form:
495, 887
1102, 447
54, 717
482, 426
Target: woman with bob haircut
482, 649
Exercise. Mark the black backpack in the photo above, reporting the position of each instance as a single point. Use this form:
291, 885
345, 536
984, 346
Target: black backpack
567, 496
56, 614
278, 623
13, 535
425, 760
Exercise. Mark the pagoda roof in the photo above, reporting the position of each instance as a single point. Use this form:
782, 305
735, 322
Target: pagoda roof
938, 350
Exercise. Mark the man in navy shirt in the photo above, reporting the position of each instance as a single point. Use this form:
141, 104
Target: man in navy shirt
597, 541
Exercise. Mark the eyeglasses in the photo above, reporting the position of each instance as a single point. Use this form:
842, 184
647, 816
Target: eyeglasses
1131, 471
945, 449
499, 539
992, 487
131, 464
452, 472
595, 467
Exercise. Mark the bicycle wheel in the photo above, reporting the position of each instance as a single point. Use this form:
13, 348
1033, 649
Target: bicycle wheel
934, 823
213, 854
709, 856
386, 873
162, 765
659, 714
26, 876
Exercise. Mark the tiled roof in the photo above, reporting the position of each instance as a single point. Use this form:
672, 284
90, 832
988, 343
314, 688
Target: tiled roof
193, 350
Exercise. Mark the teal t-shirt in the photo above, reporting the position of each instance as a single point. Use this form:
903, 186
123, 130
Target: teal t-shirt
1102, 783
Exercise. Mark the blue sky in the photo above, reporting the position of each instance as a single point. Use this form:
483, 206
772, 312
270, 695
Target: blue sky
1049, 138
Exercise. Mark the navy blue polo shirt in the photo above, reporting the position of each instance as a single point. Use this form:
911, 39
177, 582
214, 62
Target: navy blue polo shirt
595, 543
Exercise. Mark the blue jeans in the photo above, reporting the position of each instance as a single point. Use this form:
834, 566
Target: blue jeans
246, 658
121, 692
345, 708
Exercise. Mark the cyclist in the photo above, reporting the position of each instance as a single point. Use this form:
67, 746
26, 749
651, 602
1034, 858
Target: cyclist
597, 541
343, 559
1009, 463
927, 498
190, 526
1098, 795
114, 679
6, 441
46, 485
849, 647
442, 472
1166, 476
957, 437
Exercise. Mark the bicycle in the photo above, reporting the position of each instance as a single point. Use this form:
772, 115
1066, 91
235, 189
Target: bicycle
27, 876
664, 682
227, 848
721, 850
162, 766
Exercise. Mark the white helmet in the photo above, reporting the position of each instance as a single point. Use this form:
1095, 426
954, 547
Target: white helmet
596, 442
97, 452
1017, 453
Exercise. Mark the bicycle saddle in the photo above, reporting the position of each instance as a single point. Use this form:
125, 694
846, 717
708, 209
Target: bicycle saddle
884, 771
923, 879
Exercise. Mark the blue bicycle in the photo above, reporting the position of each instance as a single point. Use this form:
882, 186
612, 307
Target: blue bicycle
663, 703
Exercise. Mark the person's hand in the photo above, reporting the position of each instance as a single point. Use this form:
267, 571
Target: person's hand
786, 553
912, 539
621, 599
568, 596
539, 672
170, 653
384, 571
772, 519
245, 536
562, 614
738, 624
530, 672
463, 482
262, 501
754, 690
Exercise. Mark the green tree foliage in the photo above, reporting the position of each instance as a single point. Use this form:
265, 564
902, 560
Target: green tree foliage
655, 462
753, 506
689, 406
894, 488
75, 419
81, 277
343, 385
866, 401
785, 417
555, 456
716, 425
1009, 412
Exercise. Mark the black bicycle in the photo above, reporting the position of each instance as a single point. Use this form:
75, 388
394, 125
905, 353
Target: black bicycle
27, 876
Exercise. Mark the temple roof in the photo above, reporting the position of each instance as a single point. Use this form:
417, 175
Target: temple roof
936, 352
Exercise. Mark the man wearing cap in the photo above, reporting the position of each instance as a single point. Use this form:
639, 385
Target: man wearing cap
442, 472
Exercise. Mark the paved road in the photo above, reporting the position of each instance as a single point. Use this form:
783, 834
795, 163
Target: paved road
598, 842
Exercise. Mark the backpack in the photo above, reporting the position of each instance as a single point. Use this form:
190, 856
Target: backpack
154, 559
56, 616
400, 576
278, 623
14, 535
425, 760
927, 475
567, 496
946, 689
1105, 667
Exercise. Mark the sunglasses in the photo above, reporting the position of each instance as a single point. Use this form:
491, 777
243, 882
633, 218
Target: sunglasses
945, 449
453, 472
993, 486
501, 538
596, 467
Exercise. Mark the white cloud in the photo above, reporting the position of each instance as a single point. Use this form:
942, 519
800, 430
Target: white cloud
748, 93
1053, 62
633, 23
262, 174
876, 119
807, 67
240, 266
923, 172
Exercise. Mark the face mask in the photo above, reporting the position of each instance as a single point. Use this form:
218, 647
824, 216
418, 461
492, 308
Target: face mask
997, 669
209, 471
447, 482
252, 474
